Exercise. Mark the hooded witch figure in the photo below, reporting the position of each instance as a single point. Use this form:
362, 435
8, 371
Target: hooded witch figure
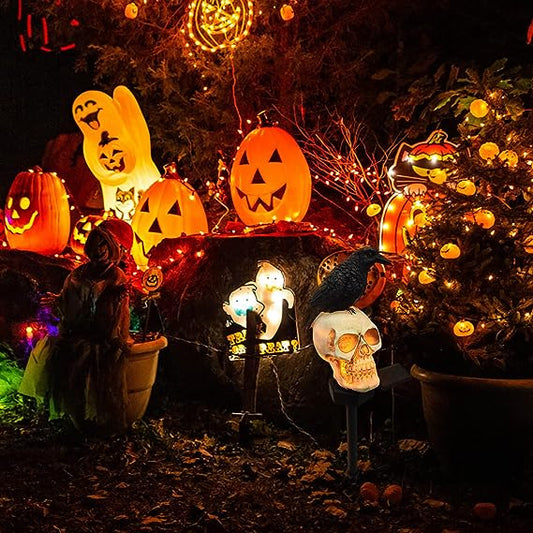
85, 363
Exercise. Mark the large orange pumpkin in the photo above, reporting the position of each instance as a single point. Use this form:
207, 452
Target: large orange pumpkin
270, 179
168, 209
37, 213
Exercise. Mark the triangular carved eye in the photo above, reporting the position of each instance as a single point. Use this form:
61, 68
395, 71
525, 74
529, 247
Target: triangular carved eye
257, 178
145, 207
137, 238
244, 159
175, 209
155, 227
275, 157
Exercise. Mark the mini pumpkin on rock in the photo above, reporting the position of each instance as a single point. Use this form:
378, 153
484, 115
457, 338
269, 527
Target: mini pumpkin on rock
37, 213
270, 179
168, 209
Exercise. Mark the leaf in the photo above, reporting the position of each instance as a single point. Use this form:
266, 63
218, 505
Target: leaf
285, 445
323, 454
153, 520
413, 445
382, 74
333, 510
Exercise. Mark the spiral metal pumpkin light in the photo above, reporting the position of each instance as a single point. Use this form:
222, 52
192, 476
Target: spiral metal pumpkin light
218, 24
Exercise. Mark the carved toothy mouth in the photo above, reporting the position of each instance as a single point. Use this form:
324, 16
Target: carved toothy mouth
20, 229
92, 119
117, 168
266, 201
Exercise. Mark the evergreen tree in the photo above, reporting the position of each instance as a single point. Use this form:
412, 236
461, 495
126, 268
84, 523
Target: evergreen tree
473, 313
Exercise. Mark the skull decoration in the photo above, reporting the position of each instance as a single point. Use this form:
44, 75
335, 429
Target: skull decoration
347, 340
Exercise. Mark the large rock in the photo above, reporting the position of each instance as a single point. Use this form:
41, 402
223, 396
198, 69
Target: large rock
200, 273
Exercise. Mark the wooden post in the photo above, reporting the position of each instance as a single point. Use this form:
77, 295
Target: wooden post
251, 364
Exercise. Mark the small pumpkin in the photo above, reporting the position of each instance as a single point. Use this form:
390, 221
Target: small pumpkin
131, 10
168, 209
270, 179
37, 213
479, 108
450, 251
463, 328
466, 187
81, 231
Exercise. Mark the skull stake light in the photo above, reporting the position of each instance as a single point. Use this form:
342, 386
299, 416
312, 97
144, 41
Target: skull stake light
347, 340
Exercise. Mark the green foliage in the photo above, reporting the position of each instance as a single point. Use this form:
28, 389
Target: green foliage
10, 376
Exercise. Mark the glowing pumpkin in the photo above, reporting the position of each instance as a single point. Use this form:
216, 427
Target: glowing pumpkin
450, 251
37, 213
270, 178
463, 328
482, 217
373, 209
466, 187
479, 108
425, 277
168, 209
488, 151
131, 10
81, 231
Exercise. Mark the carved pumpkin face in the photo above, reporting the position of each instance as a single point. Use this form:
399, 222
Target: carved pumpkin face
270, 178
81, 231
168, 209
37, 213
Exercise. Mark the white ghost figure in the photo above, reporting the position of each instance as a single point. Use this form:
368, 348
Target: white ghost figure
347, 340
271, 292
116, 146
240, 301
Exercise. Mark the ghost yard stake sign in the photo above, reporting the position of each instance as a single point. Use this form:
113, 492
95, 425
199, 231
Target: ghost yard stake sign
273, 303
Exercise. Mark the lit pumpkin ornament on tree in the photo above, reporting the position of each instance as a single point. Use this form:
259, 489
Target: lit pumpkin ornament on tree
168, 209
450, 251
37, 213
131, 10
270, 179
479, 108
488, 151
466, 187
463, 328
482, 217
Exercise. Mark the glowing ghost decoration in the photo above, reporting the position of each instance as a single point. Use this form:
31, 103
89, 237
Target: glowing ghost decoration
274, 305
347, 340
116, 147
240, 301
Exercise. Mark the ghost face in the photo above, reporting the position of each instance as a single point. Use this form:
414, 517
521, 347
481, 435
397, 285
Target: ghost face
240, 301
347, 340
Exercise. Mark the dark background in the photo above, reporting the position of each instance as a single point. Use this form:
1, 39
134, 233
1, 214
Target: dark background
38, 88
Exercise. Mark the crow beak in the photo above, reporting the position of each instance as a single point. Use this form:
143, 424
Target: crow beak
381, 259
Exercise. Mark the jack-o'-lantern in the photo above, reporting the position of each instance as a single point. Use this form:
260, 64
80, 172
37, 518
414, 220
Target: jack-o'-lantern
482, 217
131, 10
37, 213
450, 251
479, 108
463, 328
488, 150
509, 158
270, 179
81, 231
168, 209
466, 187
425, 277
287, 12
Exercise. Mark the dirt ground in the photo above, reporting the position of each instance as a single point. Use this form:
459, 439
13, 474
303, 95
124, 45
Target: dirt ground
185, 471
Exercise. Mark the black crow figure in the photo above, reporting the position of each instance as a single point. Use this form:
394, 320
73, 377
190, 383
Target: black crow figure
346, 283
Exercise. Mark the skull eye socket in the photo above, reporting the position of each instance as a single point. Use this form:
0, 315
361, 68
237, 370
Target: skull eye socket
10, 202
371, 336
347, 342
24, 203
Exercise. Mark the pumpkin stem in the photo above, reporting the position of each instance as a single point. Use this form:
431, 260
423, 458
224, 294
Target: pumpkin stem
264, 119
36, 169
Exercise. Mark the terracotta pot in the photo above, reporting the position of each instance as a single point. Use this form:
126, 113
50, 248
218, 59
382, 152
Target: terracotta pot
479, 428
141, 369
